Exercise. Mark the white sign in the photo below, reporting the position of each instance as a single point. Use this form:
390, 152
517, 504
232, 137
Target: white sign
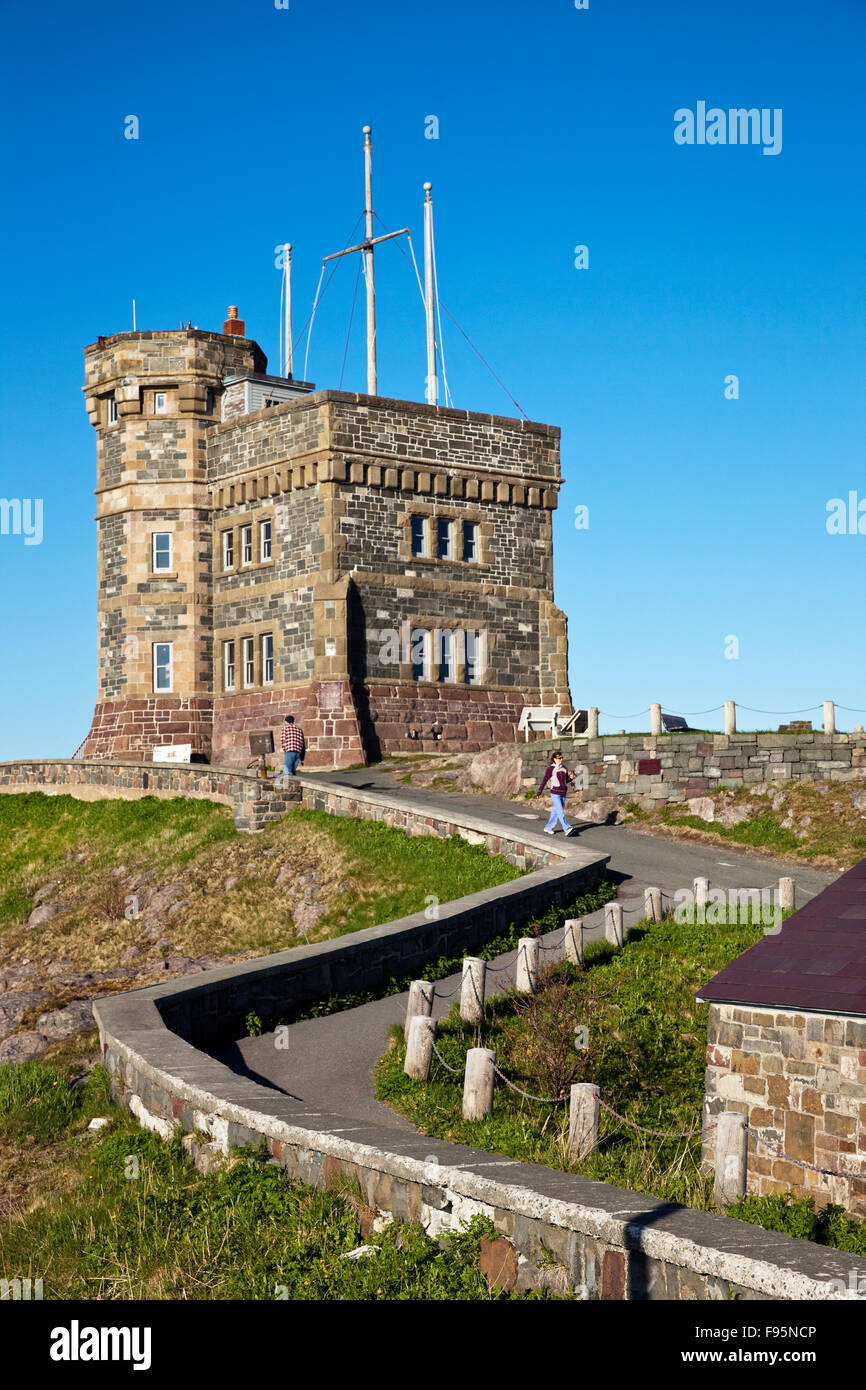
173, 753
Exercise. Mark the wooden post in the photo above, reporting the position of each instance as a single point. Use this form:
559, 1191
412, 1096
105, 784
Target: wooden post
472, 989
478, 1083
613, 928
420, 1001
829, 717
652, 904
526, 965
573, 940
592, 722
786, 894
730, 717
584, 1113
702, 897
655, 719
419, 1047
729, 1184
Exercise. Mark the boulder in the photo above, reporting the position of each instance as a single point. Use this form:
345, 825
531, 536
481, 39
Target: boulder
702, 807
44, 913
61, 1023
23, 1047
858, 800
13, 1007
728, 815
604, 810
498, 770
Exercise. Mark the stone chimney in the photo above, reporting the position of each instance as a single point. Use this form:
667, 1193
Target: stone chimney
233, 324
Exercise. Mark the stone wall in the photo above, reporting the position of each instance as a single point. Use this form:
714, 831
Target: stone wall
801, 1080
565, 1232
254, 802
672, 768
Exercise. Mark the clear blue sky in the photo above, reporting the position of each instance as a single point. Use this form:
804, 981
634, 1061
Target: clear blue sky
707, 515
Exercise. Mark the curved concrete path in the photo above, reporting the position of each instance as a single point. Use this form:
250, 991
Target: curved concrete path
329, 1061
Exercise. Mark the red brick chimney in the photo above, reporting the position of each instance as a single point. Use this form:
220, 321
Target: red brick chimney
233, 324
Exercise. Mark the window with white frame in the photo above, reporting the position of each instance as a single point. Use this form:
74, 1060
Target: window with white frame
444, 550
249, 662
162, 672
161, 552
228, 550
420, 654
160, 402
445, 655
112, 410
476, 656
419, 535
246, 545
228, 665
264, 540
268, 659
470, 541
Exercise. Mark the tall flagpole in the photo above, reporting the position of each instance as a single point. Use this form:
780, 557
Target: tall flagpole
287, 263
368, 264
432, 383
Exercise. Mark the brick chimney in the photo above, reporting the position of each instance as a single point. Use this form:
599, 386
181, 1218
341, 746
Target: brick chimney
233, 324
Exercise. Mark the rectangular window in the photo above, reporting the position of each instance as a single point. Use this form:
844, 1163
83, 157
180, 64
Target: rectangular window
228, 550
264, 540
443, 540
420, 654
470, 540
419, 535
162, 666
268, 659
160, 402
161, 556
228, 665
476, 656
112, 410
445, 655
246, 545
249, 661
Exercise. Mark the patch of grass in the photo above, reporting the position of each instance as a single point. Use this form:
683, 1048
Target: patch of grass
830, 1225
136, 1221
232, 895
646, 1051
762, 832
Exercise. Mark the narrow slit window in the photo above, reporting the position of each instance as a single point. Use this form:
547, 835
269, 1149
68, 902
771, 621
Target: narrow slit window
228, 665
161, 555
228, 550
162, 673
443, 540
249, 662
268, 659
246, 545
470, 541
419, 535
420, 654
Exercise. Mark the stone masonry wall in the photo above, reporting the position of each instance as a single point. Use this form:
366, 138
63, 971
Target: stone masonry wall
801, 1080
673, 768
254, 802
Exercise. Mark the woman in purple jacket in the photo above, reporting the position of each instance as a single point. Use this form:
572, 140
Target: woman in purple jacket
559, 777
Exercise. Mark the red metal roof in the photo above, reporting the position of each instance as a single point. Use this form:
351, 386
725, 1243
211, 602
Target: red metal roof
817, 960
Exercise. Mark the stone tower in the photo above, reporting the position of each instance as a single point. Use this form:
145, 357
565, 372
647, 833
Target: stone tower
381, 569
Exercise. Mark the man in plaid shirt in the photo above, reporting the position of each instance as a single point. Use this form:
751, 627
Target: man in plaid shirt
293, 745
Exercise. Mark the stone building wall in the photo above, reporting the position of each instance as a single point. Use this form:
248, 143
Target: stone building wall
673, 768
801, 1080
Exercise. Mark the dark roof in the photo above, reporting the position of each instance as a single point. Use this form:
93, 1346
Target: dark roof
817, 960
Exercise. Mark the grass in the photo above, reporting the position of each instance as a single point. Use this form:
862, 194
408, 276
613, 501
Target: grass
646, 1039
107, 859
132, 1220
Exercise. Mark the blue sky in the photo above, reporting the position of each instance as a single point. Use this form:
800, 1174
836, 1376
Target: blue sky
706, 515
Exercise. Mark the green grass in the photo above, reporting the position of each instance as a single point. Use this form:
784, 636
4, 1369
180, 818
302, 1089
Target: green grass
830, 1225
38, 833
762, 832
406, 873
646, 1051
138, 1222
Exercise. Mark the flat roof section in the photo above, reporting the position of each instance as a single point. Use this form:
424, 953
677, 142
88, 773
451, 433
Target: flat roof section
817, 961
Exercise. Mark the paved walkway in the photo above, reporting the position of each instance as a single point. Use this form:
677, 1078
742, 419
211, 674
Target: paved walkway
329, 1061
